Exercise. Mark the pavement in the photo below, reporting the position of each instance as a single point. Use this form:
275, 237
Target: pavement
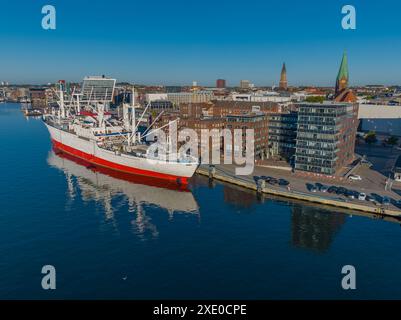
373, 182
382, 158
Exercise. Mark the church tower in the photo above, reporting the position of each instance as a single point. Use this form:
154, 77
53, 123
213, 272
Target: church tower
343, 75
283, 79
343, 93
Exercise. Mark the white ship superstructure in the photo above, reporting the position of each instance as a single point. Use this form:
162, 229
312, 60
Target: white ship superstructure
88, 131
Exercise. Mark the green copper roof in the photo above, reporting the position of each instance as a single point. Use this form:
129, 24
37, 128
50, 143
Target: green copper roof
343, 72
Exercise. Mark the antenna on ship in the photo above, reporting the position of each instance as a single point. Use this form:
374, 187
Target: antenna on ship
133, 116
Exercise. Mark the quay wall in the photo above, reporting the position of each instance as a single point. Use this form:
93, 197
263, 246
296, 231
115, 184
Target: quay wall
301, 195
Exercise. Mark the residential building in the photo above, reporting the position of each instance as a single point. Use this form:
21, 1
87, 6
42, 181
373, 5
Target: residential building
245, 84
38, 97
325, 137
190, 97
282, 134
161, 105
256, 121
220, 83
149, 97
222, 108
195, 110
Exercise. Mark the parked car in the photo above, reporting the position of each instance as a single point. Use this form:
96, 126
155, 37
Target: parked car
370, 198
324, 188
362, 196
386, 201
273, 181
341, 190
311, 187
397, 203
283, 182
332, 189
377, 197
350, 194
354, 177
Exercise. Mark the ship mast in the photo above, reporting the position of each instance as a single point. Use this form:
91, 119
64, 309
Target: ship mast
61, 102
133, 134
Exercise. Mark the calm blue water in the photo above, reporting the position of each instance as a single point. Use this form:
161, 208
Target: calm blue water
110, 238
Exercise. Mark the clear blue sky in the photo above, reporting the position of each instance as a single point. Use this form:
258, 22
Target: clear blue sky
175, 42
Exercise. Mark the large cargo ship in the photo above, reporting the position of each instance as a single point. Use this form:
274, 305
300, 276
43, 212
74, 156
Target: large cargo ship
82, 127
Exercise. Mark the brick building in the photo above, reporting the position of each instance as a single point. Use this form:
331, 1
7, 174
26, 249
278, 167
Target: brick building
220, 83
38, 97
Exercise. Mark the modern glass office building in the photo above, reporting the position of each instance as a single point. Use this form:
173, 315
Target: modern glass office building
325, 136
282, 134
98, 89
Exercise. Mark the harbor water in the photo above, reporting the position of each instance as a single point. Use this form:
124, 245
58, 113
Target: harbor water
115, 237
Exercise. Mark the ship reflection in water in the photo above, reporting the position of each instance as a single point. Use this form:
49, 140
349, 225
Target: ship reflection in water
104, 185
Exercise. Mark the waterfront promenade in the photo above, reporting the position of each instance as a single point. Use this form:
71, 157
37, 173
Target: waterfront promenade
298, 188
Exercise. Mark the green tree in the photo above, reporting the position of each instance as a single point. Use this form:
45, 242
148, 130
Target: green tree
315, 99
370, 137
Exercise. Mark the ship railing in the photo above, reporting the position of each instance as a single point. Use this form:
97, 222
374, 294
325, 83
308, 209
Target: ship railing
116, 149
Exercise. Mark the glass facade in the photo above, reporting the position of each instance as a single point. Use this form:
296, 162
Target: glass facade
282, 134
325, 137
98, 89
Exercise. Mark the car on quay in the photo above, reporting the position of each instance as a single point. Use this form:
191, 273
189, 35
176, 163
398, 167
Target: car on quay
397, 203
355, 177
370, 199
332, 189
377, 198
341, 190
386, 201
324, 188
283, 182
272, 181
350, 194
321, 187
311, 187
362, 196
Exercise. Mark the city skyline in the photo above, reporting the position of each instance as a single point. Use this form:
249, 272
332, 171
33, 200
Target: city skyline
183, 42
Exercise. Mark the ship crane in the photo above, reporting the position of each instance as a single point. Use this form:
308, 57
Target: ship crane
103, 141
60, 102
132, 124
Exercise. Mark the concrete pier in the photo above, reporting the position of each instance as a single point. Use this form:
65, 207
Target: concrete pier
222, 174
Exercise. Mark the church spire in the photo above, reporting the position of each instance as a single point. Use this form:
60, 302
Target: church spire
283, 78
343, 75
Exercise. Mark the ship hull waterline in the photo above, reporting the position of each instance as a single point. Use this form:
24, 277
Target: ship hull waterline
62, 141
